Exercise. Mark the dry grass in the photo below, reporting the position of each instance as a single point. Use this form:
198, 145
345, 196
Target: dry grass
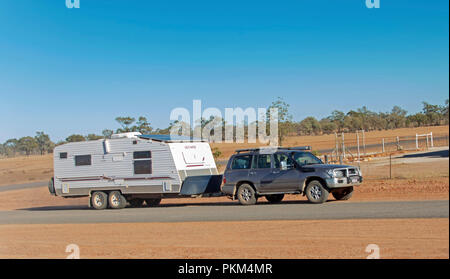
26, 169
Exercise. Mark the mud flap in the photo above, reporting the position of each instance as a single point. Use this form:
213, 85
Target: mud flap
201, 185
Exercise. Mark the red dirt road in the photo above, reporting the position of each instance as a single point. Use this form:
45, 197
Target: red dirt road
396, 238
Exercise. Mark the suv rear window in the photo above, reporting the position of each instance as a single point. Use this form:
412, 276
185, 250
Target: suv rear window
241, 162
264, 161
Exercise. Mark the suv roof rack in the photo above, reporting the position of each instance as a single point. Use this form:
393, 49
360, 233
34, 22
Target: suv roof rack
274, 147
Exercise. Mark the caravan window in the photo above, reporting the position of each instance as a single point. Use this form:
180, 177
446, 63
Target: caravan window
142, 154
142, 162
63, 155
143, 167
82, 160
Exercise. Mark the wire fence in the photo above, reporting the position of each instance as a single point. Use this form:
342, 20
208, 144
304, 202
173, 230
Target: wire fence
347, 148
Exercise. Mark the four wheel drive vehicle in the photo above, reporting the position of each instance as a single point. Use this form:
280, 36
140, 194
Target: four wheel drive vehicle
252, 173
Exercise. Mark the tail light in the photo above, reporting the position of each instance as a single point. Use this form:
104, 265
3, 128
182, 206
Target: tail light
224, 180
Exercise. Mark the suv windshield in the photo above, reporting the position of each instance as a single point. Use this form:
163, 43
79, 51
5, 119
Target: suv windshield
306, 158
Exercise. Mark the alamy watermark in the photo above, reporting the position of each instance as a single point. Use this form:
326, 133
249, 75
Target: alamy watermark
70, 4
370, 4
254, 124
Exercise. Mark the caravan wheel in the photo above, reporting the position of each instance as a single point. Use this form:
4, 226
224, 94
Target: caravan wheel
99, 200
116, 200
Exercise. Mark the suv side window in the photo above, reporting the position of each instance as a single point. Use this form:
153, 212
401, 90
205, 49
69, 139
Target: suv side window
264, 161
282, 157
241, 162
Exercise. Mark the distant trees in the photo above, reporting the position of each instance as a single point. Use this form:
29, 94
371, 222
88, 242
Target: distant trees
75, 138
44, 144
285, 124
337, 121
142, 125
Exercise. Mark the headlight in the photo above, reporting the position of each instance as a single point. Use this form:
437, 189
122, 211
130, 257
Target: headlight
336, 173
339, 173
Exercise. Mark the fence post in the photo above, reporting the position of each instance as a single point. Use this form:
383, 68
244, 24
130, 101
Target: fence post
357, 140
364, 142
431, 138
417, 142
390, 166
382, 145
398, 143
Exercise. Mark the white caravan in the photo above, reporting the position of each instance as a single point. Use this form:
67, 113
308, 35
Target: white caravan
133, 168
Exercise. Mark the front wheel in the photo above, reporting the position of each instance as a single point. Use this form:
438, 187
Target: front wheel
316, 192
343, 194
247, 195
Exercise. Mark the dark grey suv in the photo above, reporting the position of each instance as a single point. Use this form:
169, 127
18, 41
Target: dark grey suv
272, 173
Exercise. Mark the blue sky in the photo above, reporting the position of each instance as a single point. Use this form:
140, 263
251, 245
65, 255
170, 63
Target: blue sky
68, 71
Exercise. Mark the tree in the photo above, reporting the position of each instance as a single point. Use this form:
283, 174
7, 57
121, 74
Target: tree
75, 138
432, 112
44, 143
125, 122
11, 147
107, 133
284, 118
309, 126
338, 118
93, 137
327, 126
143, 126
216, 153
27, 144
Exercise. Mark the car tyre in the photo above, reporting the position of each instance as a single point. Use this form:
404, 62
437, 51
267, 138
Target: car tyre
247, 195
316, 192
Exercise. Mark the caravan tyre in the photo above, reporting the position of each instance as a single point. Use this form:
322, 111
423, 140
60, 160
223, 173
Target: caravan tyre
99, 200
116, 200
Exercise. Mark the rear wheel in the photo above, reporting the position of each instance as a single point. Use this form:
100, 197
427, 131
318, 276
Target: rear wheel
275, 198
343, 194
116, 200
153, 202
316, 192
247, 195
99, 200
